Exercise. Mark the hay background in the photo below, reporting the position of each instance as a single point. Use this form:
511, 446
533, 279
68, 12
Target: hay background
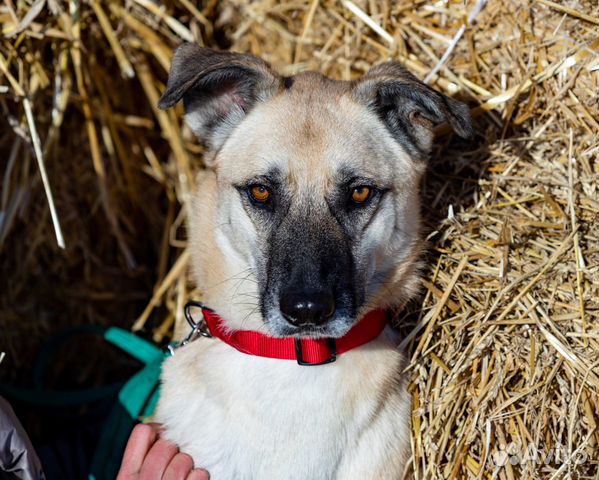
504, 339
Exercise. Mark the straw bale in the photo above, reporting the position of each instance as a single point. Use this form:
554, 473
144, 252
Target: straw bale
504, 340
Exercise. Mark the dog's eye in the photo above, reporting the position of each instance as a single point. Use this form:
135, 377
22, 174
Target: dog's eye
361, 194
259, 193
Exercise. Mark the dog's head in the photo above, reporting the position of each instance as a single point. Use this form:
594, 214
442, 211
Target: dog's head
310, 216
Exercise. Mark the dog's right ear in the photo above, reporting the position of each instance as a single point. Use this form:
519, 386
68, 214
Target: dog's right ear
217, 88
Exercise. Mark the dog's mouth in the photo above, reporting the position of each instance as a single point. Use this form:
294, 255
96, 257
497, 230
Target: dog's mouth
333, 329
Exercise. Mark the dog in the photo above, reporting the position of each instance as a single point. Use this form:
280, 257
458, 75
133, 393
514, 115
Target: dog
304, 230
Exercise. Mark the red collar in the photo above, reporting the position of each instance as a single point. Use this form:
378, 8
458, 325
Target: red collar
304, 351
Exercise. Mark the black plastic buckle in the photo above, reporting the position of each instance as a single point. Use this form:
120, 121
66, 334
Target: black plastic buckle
332, 344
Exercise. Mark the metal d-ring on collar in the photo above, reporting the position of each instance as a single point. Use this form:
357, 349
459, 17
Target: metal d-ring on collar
197, 328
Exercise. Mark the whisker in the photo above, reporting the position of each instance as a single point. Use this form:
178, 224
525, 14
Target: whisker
233, 277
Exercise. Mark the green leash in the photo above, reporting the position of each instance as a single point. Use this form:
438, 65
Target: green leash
137, 398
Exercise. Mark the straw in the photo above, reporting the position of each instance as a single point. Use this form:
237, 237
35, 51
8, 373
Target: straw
502, 342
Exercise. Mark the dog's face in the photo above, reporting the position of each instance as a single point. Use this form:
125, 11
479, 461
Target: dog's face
319, 210
310, 216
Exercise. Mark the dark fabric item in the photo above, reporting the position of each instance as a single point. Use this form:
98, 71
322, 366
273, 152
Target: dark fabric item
68, 455
17, 456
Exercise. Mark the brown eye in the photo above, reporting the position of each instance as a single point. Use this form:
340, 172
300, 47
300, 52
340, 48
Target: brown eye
260, 193
361, 194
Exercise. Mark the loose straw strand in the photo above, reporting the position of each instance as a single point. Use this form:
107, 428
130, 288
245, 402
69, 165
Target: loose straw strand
37, 148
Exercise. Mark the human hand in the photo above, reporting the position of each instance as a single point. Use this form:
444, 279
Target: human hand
149, 457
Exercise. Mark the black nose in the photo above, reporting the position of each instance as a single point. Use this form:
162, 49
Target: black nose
307, 308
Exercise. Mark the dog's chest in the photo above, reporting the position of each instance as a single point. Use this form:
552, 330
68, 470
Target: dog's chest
249, 417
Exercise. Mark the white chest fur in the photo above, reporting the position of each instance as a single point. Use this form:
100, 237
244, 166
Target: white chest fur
245, 417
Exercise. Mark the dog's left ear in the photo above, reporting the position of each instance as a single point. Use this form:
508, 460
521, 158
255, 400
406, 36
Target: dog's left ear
409, 108
217, 88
